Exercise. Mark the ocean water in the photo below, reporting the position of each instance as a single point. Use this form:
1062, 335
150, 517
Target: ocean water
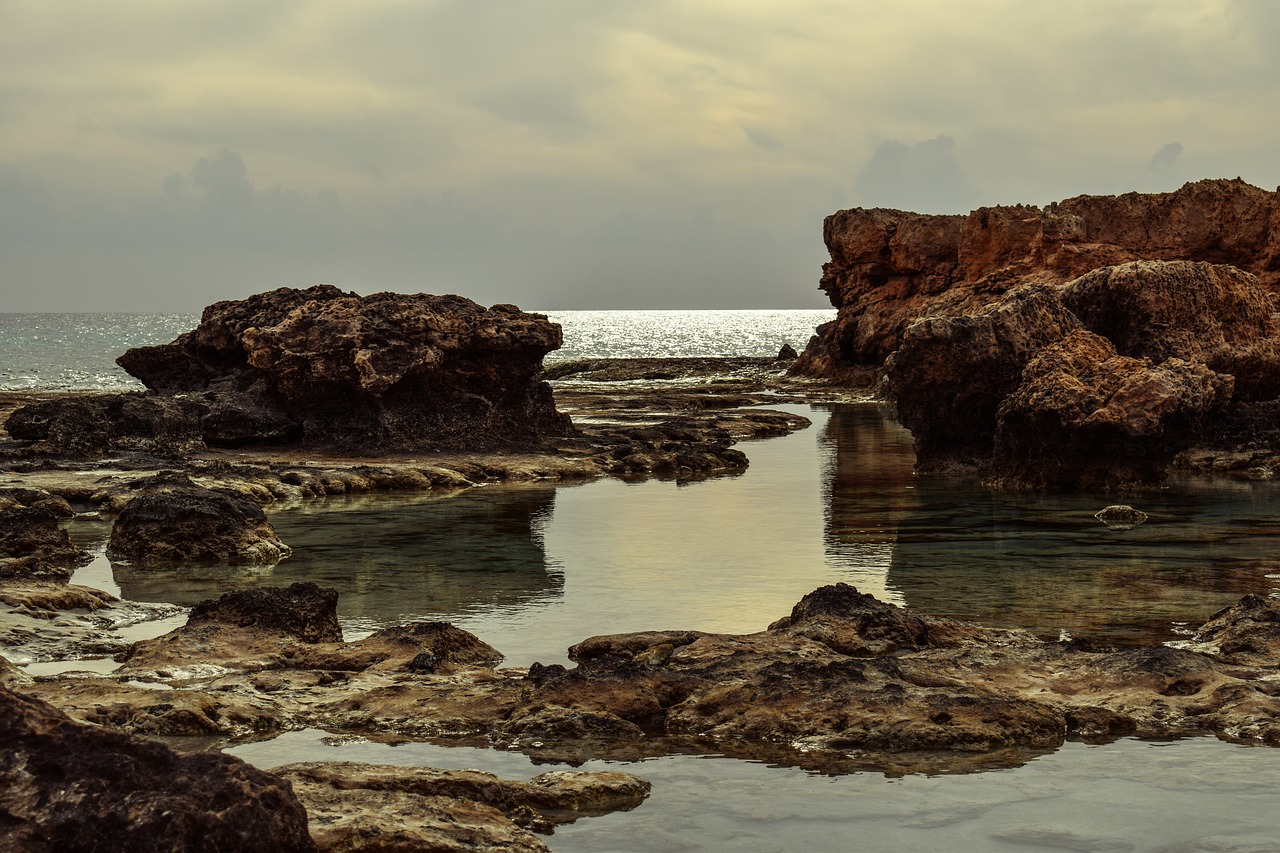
532, 568
77, 352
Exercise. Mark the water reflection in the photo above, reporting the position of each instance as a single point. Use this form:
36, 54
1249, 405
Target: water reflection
1043, 562
393, 560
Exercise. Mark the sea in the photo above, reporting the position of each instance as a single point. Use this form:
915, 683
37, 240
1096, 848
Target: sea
532, 568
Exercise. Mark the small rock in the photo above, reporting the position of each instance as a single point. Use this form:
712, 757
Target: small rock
1120, 516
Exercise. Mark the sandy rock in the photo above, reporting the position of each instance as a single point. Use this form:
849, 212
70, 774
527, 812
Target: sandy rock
69, 786
172, 521
547, 800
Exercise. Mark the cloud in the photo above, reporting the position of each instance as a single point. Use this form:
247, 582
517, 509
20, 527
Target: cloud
580, 152
1161, 173
925, 178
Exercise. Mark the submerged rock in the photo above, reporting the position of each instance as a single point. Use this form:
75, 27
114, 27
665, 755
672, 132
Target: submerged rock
1120, 516
69, 786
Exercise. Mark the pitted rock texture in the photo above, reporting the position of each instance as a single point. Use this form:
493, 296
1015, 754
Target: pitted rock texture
890, 267
69, 786
1085, 416
175, 522
390, 369
34, 546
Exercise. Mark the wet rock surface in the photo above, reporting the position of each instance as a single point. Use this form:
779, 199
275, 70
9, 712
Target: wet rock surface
843, 681
70, 786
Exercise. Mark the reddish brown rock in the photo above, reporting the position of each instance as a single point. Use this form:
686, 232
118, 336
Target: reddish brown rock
69, 786
1085, 417
1217, 315
951, 373
889, 268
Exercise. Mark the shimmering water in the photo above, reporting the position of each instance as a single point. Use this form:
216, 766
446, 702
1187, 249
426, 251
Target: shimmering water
73, 352
534, 568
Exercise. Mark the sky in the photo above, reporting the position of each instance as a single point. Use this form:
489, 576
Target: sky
160, 155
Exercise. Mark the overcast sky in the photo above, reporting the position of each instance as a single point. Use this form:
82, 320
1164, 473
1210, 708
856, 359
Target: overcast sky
160, 155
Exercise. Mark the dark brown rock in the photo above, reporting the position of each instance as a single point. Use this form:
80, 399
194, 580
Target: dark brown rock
173, 521
303, 611
1085, 417
387, 370
34, 546
951, 373
66, 786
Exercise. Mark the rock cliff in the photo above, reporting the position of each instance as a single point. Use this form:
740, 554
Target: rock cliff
889, 267
1159, 309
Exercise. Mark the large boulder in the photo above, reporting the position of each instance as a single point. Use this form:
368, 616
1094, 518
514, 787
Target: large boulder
1084, 416
951, 373
68, 786
387, 370
1215, 314
173, 521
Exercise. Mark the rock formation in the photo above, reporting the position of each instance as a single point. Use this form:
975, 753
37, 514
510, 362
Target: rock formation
889, 267
389, 370
34, 546
69, 786
173, 522
322, 367
843, 681
953, 308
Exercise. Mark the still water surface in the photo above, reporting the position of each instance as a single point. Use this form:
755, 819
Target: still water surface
534, 568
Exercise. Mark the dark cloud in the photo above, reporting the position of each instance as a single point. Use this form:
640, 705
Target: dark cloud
1161, 174
925, 178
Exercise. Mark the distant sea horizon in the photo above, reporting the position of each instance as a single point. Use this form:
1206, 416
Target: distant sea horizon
76, 351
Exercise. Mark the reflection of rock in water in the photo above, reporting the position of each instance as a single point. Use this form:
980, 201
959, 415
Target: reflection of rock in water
396, 558
953, 548
867, 485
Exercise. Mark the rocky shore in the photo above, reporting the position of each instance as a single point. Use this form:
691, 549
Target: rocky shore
1097, 342
1104, 377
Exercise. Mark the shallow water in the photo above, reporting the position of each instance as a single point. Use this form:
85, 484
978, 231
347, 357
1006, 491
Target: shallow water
534, 568
1174, 797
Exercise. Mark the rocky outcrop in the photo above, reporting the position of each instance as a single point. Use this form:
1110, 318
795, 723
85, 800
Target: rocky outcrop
34, 546
69, 786
890, 267
173, 522
387, 370
951, 374
1083, 416
842, 675
943, 305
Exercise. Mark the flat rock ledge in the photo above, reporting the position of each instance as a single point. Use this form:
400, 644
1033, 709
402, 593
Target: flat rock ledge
843, 682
